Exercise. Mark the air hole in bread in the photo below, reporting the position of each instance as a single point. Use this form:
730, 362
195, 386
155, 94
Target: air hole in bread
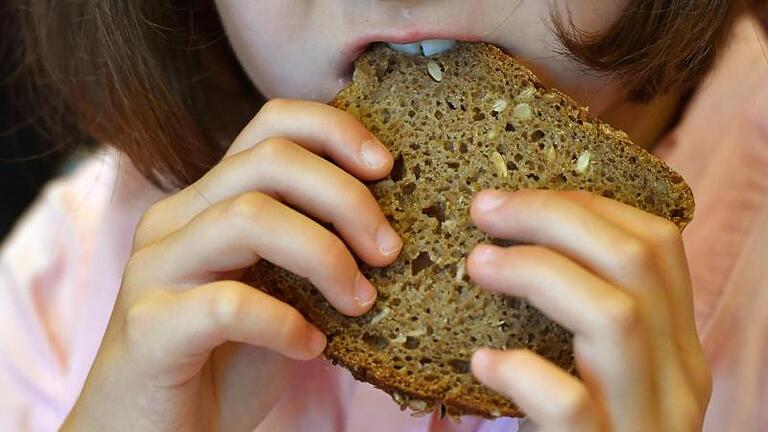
435, 211
408, 189
459, 366
411, 342
677, 213
438, 115
509, 127
420, 263
416, 170
375, 341
398, 169
537, 135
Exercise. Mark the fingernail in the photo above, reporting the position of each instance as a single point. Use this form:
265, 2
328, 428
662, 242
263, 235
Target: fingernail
484, 253
365, 293
315, 340
482, 359
387, 240
489, 201
374, 154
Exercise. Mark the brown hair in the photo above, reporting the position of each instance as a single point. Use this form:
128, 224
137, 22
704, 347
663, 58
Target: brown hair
146, 76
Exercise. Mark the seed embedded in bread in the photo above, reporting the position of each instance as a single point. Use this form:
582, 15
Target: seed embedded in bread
527, 93
499, 105
429, 318
500, 164
523, 112
435, 71
583, 162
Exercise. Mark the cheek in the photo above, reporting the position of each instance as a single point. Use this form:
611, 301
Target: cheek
250, 29
542, 51
276, 43
587, 88
592, 16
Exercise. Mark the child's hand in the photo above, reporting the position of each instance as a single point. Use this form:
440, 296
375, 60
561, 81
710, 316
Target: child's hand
617, 278
188, 347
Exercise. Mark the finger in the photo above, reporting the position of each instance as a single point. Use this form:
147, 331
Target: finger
322, 129
549, 219
173, 326
236, 233
610, 339
664, 237
286, 170
665, 246
576, 298
551, 398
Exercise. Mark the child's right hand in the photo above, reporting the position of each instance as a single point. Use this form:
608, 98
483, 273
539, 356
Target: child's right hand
188, 346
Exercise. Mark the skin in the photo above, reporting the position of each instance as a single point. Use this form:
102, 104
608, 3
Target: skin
180, 349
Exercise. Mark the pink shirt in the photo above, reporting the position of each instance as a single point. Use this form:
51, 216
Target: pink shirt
60, 272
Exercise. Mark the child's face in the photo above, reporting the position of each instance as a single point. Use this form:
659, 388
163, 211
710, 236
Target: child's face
304, 49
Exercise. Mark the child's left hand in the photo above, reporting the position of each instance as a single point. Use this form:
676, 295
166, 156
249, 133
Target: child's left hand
617, 278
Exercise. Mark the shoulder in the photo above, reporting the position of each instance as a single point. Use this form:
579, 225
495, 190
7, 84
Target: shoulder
71, 197
56, 291
59, 221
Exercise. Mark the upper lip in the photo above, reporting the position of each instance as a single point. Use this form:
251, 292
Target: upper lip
353, 49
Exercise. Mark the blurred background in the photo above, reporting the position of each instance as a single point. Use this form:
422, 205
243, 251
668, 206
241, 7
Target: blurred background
27, 157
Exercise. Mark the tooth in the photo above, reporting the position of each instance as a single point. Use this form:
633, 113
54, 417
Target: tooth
436, 46
410, 48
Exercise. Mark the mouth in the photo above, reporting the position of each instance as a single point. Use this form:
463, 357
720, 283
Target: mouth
412, 43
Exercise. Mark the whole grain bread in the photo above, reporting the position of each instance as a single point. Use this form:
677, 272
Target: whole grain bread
460, 122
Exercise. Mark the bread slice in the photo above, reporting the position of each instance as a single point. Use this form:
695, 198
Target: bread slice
460, 122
